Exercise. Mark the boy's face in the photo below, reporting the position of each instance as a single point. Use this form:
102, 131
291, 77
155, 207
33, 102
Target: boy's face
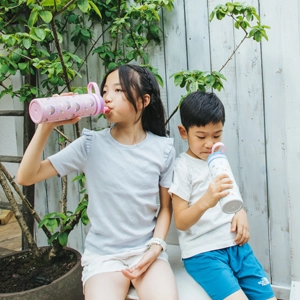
201, 139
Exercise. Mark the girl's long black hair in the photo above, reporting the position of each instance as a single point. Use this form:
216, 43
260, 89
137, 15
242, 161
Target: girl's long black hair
137, 81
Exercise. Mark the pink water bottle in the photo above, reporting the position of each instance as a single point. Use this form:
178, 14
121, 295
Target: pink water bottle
218, 164
52, 109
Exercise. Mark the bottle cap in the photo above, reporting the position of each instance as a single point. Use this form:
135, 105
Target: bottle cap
36, 111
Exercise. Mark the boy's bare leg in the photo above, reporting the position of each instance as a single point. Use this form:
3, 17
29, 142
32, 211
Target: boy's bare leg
239, 295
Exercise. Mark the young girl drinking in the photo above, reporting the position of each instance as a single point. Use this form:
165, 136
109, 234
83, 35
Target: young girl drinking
127, 167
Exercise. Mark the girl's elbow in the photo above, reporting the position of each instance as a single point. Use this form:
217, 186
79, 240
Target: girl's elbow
22, 180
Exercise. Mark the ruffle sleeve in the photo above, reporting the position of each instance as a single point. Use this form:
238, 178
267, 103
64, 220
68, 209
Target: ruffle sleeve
169, 148
88, 134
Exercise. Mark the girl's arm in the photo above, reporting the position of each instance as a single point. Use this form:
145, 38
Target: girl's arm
161, 229
32, 169
164, 216
186, 216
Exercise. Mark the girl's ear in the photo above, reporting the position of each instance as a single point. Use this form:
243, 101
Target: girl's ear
147, 99
182, 132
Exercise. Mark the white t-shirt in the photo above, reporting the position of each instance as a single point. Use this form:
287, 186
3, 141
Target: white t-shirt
123, 186
212, 231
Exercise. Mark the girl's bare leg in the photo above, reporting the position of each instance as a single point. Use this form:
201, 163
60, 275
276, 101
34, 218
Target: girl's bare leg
108, 286
157, 283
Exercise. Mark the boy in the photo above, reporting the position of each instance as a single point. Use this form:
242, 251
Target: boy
213, 244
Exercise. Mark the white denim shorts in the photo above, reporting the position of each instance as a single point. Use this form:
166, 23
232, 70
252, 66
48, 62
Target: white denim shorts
93, 263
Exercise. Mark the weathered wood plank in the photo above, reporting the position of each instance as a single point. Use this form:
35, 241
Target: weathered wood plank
11, 113
10, 159
251, 122
274, 76
290, 87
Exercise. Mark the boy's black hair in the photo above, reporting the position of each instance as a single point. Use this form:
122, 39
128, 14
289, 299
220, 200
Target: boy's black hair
201, 108
137, 81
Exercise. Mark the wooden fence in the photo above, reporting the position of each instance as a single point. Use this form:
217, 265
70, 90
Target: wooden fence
261, 135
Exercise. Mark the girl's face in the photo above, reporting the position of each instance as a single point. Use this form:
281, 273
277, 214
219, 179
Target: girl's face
120, 109
201, 139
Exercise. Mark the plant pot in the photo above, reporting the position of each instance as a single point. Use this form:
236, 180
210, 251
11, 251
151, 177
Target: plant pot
67, 287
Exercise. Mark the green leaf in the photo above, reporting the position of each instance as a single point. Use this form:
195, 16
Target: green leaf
54, 236
178, 80
40, 33
15, 56
63, 238
42, 223
210, 80
218, 74
84, 217
85, 32
96, 9
50, 2
23, 66
33, 17
4, 69
27, 43
46, 16
83, 5
34, 90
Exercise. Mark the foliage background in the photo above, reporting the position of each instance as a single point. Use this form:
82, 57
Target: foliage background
261, 98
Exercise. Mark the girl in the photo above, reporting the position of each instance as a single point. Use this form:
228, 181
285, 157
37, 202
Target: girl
127, 167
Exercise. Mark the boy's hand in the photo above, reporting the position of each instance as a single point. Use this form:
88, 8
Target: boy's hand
218, 189
239, 225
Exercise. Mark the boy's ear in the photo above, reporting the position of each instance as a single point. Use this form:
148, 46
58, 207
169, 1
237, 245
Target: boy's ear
182, 132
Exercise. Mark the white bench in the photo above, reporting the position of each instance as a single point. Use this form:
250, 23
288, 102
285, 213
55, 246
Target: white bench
188, 288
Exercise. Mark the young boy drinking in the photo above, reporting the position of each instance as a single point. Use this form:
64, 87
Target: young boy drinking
213, 244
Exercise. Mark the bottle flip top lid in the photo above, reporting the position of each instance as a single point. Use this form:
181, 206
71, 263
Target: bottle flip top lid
214, 154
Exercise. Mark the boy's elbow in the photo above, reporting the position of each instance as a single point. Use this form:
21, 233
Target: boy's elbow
181, 226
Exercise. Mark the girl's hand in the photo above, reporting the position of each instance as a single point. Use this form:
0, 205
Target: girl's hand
52, 125
218, 189
239, 225
148, 258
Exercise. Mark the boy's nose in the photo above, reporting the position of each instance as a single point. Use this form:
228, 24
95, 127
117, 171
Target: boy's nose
209, 144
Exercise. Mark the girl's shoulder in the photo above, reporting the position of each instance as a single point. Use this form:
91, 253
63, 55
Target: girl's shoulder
160, 139
89, 136
163, 143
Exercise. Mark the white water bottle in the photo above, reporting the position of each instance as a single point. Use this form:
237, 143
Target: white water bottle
218, 164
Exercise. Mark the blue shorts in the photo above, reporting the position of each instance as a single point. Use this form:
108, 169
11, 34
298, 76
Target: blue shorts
225, 271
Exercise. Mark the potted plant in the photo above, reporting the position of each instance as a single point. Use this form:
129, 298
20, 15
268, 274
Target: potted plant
42, 272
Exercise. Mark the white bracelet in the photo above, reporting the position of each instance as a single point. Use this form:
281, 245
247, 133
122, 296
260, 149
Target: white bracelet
157, 241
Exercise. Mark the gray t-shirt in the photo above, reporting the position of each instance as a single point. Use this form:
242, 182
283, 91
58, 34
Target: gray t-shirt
123, 186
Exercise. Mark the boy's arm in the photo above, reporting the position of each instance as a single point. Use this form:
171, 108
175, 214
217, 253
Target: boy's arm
239, 225
186, 216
